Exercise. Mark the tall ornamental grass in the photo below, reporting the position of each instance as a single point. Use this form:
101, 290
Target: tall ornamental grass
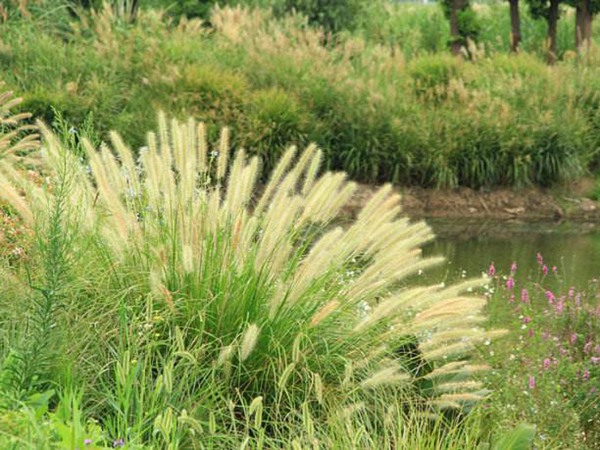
183, 305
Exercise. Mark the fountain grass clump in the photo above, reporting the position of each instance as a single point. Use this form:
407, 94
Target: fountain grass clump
171, 297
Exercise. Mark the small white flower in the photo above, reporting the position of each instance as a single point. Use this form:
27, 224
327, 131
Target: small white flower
363, 309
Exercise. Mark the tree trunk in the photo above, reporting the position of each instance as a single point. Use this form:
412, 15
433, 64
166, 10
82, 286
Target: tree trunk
583, 25
515, 26
578, 26
552, 35
456, 39
586, 24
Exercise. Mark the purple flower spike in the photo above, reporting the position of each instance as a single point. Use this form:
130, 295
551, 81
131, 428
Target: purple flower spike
546, 363
545, 269
540, 260
119, 443
87, 442
531, 382
510, 283
573, 338
550, 296
492, 270
513, 267
524, 296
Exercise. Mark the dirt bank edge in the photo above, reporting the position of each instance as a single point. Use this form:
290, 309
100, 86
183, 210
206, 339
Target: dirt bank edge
527, 204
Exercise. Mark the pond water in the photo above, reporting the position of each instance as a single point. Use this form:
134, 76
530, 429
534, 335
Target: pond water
470, 248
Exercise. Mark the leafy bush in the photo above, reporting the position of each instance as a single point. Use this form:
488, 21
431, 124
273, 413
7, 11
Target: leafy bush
432, 74
332, 15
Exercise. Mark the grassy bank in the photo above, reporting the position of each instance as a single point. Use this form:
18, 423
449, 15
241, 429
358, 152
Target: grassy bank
381, 112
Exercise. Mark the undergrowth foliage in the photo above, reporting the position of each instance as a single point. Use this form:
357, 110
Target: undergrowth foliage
208, 299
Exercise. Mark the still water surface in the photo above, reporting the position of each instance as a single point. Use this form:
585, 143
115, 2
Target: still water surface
470, 247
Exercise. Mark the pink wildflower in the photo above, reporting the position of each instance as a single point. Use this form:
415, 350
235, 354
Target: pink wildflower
550, 296
510, 283
586, 375
571, 292
560, 306
492, 270
540, 260
513, 267
531, 382
554, 270
545, 269
526, 319
524, 296
573, 338
546, 363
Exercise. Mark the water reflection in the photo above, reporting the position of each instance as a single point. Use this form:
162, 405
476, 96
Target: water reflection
470, 247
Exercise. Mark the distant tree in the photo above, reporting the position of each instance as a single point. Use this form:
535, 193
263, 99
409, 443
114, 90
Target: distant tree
515, 26
464, 25
332, 15
548, 10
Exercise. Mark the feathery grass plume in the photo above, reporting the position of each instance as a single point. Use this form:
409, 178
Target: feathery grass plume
190, 240
248, 341
15, 136
387, 376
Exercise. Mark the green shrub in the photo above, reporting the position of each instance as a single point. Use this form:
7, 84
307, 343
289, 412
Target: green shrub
332, 15
431, 75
